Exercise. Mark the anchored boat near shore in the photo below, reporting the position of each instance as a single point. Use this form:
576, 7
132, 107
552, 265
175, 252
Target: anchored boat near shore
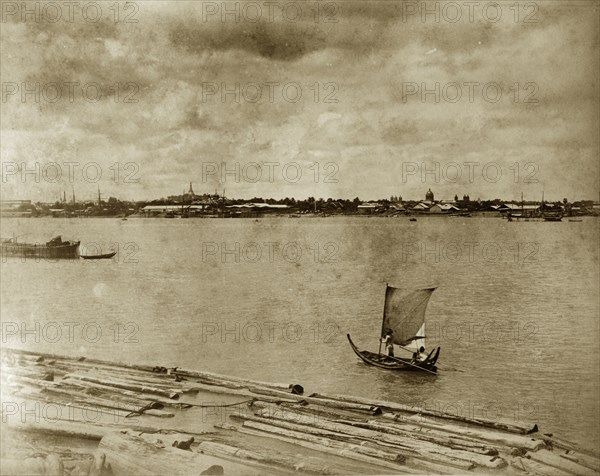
56, 248
102, 256
403, 324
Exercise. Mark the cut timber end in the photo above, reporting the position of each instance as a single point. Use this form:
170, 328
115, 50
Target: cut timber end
535, 429
296, 389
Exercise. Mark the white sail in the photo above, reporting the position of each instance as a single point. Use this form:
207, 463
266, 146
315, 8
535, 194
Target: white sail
404, 315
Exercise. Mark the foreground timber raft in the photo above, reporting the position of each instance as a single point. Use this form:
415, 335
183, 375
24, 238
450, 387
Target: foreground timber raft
79, 416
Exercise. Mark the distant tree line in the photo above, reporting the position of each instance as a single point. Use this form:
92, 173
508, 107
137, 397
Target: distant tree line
116, 207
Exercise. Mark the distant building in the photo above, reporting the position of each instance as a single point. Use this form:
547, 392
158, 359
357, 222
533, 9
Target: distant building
16, 208
421, 207
398, 207
58, 212
443, 208
157, 210
256, 209
515, 208
509, 207
367, 208
429, 196
260, 205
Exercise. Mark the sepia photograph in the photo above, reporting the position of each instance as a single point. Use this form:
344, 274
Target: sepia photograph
348, 237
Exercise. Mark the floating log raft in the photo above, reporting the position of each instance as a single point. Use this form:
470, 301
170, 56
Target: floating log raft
243, 426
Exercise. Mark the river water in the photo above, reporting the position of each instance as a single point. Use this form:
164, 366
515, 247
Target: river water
516, 310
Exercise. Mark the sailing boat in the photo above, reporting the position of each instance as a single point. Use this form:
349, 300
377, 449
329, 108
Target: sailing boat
404, 315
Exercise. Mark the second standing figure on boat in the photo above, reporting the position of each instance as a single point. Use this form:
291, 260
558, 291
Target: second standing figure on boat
388, 341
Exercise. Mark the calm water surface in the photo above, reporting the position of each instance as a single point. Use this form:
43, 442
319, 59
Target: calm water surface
516, 310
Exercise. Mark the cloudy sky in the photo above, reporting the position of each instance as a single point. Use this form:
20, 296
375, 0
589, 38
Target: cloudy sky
517, 109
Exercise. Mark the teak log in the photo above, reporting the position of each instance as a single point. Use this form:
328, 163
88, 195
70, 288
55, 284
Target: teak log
266, 456
326, 432
479, 434
321, 445
128, 455
411, 431
566, 466
391, 406
227, 378
434, 448
173, 394
49, 465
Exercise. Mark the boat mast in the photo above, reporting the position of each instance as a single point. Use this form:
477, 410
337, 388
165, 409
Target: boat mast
383, 318
522, 205
542, 207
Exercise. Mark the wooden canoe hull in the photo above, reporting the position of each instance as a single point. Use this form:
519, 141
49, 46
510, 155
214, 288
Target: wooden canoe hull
104, 256
383, 362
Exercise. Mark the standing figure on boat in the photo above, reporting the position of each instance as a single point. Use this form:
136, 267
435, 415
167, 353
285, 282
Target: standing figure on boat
388, 341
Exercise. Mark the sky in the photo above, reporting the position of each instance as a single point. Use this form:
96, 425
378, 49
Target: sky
326, 99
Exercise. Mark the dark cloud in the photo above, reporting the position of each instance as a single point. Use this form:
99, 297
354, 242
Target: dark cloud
103, 28
273, 41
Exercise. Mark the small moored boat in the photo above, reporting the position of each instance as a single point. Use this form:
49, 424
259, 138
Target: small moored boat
104, 256
552, 216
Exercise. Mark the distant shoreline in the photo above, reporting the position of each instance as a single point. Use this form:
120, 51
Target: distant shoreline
283, 216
